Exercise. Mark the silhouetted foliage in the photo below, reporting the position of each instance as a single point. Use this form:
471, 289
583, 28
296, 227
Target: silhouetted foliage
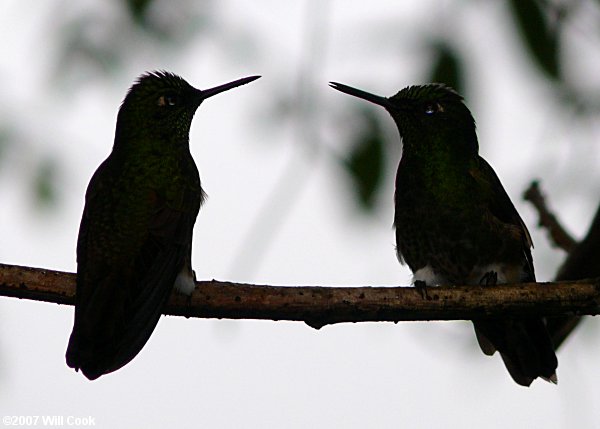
538, 34
366, 160
447, 67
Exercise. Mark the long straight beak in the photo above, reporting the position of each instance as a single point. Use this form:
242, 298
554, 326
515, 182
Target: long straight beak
377, 99
207, 93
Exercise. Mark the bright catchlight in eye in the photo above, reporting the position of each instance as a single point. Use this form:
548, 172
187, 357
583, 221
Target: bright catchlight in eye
430, 109
167, 100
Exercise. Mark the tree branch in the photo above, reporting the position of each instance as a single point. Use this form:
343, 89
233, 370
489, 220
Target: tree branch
584, 260
581, 262
558, 234
319, 306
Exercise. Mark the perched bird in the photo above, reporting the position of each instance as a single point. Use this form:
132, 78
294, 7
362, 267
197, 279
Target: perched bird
135, 237
455, 223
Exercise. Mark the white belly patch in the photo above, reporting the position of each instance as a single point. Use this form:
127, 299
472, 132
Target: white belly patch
506, 274
427, 275
185, 283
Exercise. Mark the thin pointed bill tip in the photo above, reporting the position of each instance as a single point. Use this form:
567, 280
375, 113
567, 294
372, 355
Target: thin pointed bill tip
552, 379
206, 93
377, 99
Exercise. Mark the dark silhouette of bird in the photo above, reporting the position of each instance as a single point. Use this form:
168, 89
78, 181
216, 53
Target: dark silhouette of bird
135, 238
455, 223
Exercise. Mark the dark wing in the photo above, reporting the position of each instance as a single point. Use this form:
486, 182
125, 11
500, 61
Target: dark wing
523, 343
128, 259
500, 206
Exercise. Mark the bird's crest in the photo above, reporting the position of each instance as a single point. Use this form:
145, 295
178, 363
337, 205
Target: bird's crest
430, 92
156, 82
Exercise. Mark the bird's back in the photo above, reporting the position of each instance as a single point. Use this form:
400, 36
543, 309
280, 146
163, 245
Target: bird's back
134, 239
458, 239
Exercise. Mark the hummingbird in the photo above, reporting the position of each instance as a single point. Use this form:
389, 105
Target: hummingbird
455, 223
135, 238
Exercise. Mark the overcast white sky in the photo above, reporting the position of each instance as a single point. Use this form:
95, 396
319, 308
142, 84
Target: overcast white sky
255, 374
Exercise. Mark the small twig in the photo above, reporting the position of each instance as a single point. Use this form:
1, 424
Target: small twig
560, 237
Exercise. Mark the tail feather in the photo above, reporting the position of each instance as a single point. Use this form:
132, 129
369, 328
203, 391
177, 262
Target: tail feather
111, 329
525, 347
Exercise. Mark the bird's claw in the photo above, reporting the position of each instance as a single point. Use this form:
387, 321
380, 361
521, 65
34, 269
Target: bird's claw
421, 287
489, 279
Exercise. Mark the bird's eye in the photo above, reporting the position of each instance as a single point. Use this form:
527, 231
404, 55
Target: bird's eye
433, 108
168, 100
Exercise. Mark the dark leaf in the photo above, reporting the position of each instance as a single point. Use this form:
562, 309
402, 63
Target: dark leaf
365, 163
44, 183
137, 9
538, 34
447, 67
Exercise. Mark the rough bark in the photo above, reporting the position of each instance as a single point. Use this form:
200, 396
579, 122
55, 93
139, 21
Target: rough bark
319, 306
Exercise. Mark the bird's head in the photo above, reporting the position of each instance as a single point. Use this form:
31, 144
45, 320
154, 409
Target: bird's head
162, 104
429, 117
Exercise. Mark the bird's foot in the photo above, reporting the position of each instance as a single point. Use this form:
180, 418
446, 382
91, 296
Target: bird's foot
421, 287
489, 279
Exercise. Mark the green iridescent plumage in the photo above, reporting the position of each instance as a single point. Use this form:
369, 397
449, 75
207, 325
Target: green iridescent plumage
135, 236
455, 223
